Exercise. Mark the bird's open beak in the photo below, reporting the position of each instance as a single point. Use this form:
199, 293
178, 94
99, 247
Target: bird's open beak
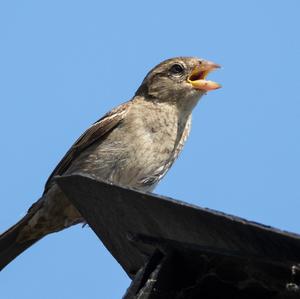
199, 73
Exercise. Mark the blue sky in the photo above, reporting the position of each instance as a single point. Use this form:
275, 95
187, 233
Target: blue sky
63, 64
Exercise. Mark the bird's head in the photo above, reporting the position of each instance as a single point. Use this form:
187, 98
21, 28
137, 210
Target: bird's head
178, 80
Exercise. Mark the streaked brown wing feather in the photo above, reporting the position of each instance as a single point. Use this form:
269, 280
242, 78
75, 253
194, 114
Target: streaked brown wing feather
101, 127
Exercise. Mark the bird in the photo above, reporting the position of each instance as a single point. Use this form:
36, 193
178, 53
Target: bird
133, 145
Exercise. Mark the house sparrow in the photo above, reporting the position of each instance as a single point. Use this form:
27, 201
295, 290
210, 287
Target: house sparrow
133, 145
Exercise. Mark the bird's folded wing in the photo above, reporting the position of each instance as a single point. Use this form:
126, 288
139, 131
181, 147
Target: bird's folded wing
101, 127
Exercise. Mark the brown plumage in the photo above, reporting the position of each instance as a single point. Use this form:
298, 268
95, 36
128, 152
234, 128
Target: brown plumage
133, 145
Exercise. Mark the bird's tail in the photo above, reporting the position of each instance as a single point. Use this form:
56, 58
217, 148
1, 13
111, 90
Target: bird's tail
10, 245
51, 213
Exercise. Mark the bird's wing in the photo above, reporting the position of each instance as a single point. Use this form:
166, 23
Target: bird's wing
101, 127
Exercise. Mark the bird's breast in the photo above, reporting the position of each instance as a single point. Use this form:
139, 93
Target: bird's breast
139, 151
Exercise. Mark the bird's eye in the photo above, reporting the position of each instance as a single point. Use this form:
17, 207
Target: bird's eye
176, 69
